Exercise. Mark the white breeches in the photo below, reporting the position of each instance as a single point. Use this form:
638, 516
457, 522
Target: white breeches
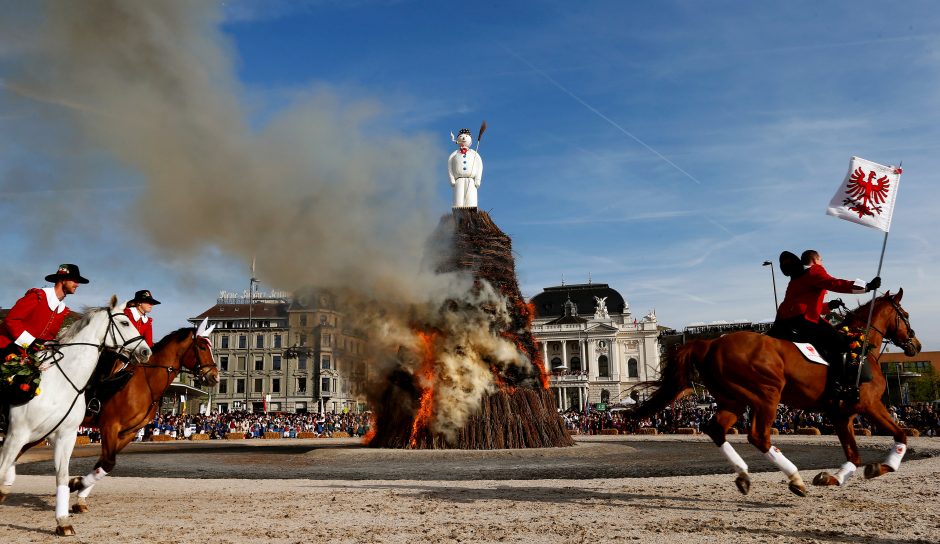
465, 193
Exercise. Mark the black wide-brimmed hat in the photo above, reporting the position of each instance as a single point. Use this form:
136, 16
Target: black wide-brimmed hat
144, 296
66, 272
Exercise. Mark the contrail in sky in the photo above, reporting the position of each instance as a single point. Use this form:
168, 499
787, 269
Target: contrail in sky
597, 112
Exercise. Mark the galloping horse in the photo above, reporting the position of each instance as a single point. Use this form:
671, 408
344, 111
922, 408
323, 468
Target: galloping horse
746, 369
122, 415
57, 412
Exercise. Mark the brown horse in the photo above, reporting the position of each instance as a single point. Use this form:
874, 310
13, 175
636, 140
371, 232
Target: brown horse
746, 369
121, 416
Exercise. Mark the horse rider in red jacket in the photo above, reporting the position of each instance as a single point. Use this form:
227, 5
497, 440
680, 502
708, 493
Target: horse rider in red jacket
799, 316
37, 317
138, 309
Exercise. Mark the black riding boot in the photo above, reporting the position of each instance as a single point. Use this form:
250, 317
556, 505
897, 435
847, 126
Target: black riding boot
848, 389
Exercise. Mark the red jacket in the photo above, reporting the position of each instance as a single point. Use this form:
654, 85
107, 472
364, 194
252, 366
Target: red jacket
805, 293
31, 318
143, 323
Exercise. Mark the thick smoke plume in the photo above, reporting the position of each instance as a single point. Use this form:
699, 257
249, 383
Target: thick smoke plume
319, 192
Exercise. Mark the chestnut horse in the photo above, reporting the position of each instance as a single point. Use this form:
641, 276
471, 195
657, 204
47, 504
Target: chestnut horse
746, 369
121, 416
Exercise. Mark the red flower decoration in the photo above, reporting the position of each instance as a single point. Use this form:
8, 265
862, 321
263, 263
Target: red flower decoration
24, 387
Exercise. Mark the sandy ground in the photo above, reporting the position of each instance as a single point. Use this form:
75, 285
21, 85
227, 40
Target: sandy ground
444, 506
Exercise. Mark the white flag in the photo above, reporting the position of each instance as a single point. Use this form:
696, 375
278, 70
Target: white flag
867, 194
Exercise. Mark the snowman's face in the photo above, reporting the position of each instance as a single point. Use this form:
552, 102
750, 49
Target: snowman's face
464, 140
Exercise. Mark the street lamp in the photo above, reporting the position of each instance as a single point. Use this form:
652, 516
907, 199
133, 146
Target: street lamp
248, 362
773, 278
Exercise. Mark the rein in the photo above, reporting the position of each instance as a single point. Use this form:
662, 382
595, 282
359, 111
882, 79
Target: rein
899, 317
57, 351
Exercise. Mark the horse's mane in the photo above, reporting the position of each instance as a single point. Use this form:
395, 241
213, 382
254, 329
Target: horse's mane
176, 336
69, 332
863, 306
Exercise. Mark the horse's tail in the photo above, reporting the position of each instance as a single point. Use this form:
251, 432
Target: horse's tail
676, 379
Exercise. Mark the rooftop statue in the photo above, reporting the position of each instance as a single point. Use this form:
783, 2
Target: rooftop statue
465, 168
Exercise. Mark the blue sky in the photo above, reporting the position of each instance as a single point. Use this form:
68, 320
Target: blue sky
664, 148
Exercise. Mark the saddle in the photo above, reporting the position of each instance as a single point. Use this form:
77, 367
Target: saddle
110, 376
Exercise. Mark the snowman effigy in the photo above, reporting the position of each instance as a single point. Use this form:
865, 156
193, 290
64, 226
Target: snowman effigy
465, 168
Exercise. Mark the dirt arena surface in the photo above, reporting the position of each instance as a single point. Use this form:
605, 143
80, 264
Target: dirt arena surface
606, 489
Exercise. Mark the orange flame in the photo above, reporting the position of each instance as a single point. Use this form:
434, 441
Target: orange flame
426, 371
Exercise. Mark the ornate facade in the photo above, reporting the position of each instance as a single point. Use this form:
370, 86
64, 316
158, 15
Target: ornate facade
594, 348
288, 354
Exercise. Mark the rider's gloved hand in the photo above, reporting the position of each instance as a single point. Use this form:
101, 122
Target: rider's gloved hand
36, 345
873, 284
836, 303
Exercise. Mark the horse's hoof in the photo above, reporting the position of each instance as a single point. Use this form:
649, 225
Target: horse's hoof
75, 484
79, 508
873, 470
743, 481
64, 530
3, 497
798, 489
824, 478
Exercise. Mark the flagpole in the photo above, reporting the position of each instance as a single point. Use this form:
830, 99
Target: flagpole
874, 294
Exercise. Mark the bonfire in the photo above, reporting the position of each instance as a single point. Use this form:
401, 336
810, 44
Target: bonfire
480, 348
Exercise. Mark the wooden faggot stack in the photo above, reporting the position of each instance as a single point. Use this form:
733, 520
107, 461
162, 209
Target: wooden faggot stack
522, 412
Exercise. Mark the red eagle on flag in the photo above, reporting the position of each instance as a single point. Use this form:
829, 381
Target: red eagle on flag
866, 194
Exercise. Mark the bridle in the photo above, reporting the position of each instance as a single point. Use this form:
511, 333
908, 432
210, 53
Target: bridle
121, 346
200, 373
900, 316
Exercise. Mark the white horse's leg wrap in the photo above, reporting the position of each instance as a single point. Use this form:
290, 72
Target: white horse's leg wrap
83, 494
845, 472
93, 477
897, 453
775, 456
61, 501
733, 457
9, 477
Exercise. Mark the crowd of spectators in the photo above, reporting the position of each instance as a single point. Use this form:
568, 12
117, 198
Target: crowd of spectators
255, 425
696, 412
690, 412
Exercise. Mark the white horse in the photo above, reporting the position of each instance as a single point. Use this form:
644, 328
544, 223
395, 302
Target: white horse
56, 413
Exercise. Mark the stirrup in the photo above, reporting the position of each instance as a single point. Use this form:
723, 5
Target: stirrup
94, 406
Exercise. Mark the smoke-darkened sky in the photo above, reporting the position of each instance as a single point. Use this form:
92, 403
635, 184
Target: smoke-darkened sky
667, 149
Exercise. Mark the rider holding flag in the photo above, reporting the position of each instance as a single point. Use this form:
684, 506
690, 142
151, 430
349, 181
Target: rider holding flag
799, 315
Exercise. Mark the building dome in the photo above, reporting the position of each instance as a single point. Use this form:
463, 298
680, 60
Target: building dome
550, 303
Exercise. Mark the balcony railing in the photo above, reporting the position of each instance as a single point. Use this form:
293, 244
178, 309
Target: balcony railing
568, 376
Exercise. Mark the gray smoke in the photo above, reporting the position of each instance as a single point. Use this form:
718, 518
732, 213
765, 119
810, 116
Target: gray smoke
315, 194
320, 193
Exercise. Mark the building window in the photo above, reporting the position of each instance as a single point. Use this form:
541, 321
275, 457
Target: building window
633, 369
259, 341
302, 362
325, 362
323, 320
325, 385
240, 386
301, 385
303, 339
259, 364
223, 363
223, 387
241, 364
242, 341
276, 362
605, 396
576, 363
275, 385
303, 320
300, 407
259, 385
224, 341
277, 340
556, 362
603, 366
